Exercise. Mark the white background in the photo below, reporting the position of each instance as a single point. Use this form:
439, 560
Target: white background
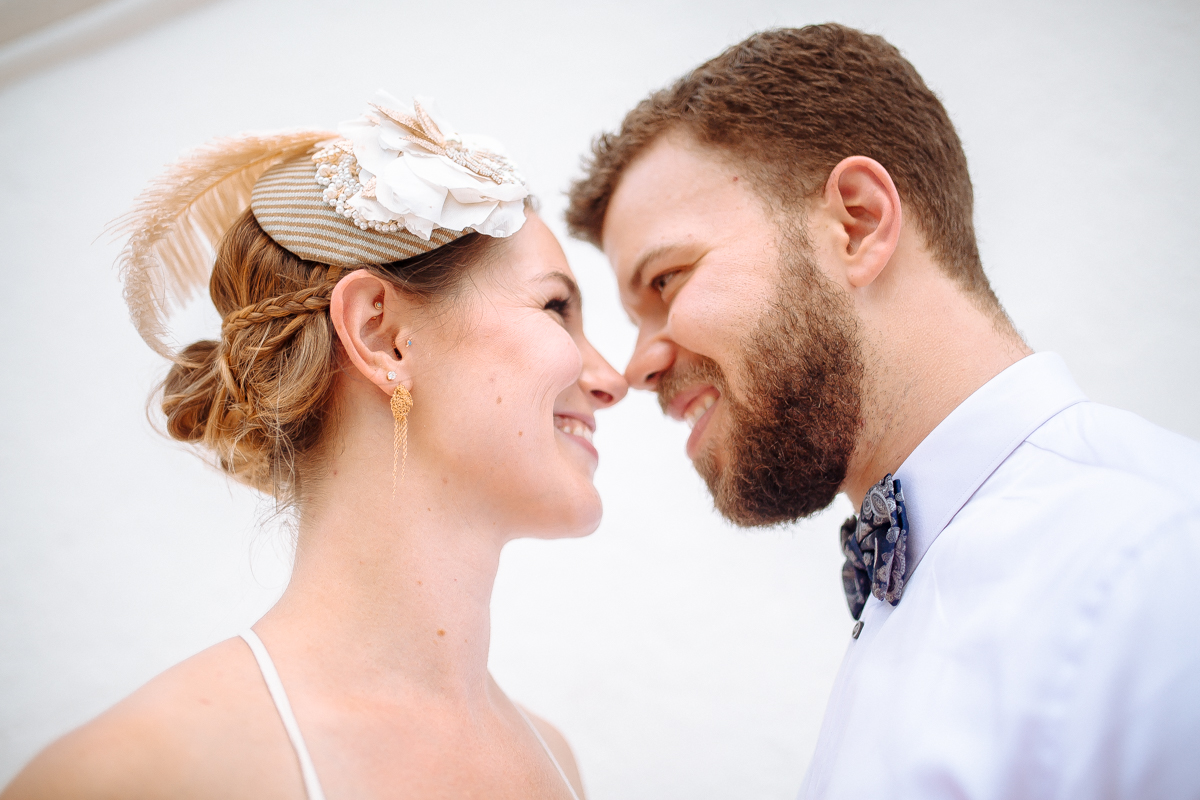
683, 658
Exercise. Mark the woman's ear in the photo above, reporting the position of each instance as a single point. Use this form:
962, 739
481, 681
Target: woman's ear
371, 318
866, 209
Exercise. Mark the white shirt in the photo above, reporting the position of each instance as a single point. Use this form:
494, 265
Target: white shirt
1047, 644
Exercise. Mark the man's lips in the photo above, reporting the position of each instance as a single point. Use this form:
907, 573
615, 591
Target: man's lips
695, 407
691, 404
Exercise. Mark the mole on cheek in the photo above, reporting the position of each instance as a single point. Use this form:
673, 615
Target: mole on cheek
497, 401
520, 433
441, 633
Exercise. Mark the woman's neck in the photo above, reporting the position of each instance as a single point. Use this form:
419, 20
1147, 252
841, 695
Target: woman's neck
392, 594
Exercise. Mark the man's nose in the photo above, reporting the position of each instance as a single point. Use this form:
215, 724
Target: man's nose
650, 359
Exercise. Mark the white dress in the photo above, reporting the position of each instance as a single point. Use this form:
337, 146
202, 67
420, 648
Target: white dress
312, 785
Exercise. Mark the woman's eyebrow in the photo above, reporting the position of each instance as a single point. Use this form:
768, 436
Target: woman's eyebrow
572, 287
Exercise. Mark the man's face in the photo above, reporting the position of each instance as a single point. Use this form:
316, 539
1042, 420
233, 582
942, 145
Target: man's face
739, 332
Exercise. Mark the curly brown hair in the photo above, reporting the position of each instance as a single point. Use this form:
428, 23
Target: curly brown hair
262, 398
788, 105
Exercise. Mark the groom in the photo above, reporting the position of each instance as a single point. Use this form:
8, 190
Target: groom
791, 229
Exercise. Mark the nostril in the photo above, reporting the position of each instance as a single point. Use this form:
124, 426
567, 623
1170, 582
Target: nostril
602, 396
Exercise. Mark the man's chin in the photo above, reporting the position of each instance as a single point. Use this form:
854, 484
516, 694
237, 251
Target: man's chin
755, 498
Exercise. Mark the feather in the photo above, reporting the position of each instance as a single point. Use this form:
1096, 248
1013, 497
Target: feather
176, 223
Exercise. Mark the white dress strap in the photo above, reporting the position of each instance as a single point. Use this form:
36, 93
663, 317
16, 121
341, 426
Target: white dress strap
546, 747
312, 786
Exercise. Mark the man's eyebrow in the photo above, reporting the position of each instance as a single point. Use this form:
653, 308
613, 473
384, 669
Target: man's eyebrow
572, 286
650, 256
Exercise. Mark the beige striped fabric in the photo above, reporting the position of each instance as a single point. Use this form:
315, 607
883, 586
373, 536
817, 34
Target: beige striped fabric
287, 202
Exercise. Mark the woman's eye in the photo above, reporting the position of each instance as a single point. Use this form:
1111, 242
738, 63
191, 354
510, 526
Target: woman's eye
559, 305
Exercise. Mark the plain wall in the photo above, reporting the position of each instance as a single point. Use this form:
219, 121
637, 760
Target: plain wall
683, 658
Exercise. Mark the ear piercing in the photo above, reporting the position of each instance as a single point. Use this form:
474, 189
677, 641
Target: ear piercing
408, 343
391, 376
378, 306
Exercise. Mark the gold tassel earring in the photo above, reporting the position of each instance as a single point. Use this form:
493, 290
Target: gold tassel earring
402, 403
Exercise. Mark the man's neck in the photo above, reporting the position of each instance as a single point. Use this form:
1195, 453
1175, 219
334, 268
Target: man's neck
922, 362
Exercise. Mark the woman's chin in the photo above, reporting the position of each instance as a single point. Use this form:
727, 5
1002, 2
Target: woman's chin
577, 518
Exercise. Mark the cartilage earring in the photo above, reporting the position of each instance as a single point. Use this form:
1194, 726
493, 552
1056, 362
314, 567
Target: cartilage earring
402, 403
378, 306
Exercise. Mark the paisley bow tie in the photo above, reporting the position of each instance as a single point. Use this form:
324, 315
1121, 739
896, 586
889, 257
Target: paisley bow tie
874, 543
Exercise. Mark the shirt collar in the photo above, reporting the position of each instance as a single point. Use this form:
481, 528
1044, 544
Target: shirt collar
961, 453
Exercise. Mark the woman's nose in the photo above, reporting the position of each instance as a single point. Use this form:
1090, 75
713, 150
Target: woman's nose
603, 384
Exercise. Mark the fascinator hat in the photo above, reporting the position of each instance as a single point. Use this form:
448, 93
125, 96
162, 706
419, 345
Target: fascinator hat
394, 183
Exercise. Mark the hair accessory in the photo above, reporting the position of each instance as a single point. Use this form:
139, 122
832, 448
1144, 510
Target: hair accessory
402, 403
400, 183
178, 220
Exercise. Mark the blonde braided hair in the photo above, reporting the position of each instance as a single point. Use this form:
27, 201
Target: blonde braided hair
261, 400
261, 394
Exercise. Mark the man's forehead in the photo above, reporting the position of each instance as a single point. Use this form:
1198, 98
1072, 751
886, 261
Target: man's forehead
660, 202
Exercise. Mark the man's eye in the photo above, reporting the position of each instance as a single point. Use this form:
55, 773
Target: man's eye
660, 281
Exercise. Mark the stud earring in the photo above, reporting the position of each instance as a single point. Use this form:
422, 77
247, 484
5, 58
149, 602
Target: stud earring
391, 376
402, 403
378, 306
408, 343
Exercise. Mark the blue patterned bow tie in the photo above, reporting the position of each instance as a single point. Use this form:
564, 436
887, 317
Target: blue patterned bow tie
874, 543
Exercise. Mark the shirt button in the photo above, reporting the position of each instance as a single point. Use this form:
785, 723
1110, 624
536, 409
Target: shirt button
857, 630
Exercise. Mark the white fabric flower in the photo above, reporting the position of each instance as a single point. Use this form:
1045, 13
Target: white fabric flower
416, 170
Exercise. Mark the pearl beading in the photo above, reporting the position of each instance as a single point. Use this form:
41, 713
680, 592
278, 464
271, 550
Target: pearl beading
339, 173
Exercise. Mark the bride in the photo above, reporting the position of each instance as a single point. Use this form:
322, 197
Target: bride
402, 363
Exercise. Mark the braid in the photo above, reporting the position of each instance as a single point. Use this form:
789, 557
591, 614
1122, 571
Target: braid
309, 300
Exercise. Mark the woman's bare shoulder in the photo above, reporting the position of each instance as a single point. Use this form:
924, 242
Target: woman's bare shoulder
561, 749
204, 728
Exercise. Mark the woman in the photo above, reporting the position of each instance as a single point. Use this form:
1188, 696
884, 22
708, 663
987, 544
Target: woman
402, 362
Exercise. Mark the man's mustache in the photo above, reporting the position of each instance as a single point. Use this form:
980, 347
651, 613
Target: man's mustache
679, 377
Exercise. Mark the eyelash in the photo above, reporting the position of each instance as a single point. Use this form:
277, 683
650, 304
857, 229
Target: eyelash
559, 305
660, 281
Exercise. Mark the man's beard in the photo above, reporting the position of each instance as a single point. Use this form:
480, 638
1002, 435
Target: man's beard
790, 439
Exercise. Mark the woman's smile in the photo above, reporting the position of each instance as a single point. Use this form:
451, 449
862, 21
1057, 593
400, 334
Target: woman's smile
577, 428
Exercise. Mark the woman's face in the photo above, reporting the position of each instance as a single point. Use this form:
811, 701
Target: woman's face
505, 389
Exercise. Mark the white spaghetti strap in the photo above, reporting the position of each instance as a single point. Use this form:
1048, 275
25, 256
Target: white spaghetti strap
312, 786
546, 747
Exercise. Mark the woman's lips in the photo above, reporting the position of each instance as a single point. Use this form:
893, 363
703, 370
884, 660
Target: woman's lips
578, 430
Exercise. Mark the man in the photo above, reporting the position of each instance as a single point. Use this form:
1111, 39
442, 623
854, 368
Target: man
791, 229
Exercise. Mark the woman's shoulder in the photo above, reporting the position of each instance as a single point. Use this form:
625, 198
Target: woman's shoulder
204, 728
558, 745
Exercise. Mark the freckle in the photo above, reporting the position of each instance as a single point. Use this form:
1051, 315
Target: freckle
441, 633
497, 401
520, 433
445, 479
418, 583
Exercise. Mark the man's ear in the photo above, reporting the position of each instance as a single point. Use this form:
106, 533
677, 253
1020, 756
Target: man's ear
865, 207
372, 318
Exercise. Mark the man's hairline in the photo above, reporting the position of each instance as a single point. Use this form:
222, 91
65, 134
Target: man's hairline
774, 204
